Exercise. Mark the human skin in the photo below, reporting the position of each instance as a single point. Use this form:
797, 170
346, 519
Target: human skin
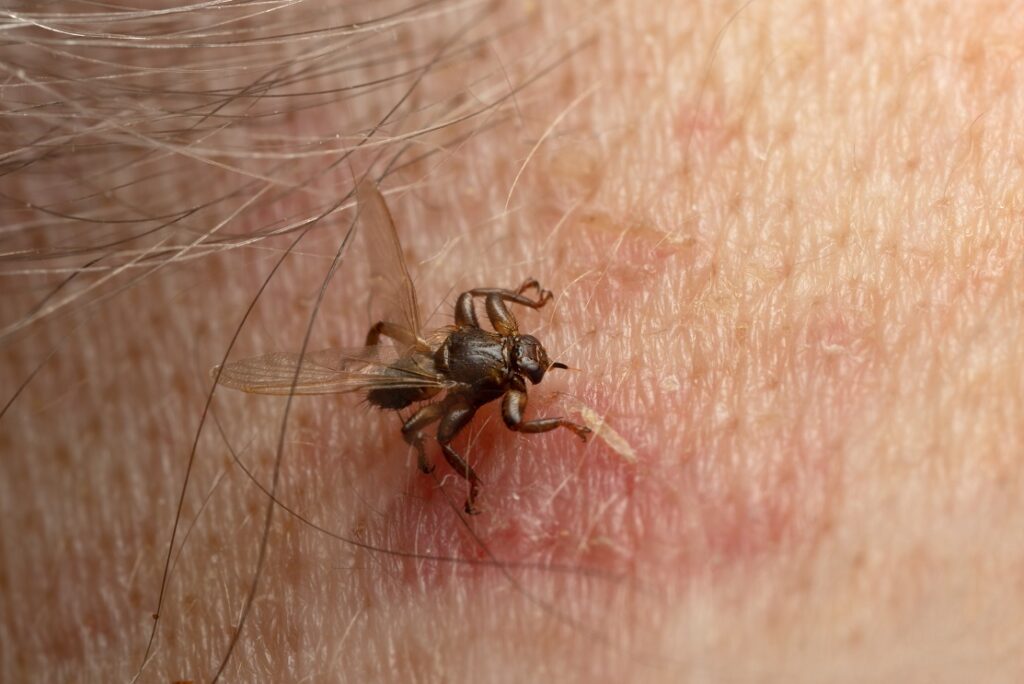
785, 241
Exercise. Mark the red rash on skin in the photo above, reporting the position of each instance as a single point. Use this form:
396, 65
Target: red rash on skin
551, 500
737, 486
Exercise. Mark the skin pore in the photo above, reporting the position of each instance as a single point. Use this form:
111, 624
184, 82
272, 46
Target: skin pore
785, 244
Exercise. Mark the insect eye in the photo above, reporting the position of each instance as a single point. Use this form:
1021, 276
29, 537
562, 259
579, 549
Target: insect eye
531, 359
533, 370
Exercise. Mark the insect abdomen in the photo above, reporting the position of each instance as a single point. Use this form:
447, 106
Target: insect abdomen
399, 398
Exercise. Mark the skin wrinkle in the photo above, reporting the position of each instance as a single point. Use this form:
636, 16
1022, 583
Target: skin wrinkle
789, 272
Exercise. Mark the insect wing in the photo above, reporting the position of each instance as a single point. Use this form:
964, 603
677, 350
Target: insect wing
392, 295
330, 371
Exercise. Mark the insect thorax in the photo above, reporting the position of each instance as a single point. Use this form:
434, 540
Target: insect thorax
475, 357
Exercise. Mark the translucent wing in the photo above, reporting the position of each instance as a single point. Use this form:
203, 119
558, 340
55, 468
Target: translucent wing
392, 295
330, 371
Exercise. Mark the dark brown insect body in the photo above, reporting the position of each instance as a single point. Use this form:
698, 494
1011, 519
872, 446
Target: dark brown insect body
473, 366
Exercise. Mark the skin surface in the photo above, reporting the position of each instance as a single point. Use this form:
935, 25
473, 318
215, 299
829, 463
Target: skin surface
785, 243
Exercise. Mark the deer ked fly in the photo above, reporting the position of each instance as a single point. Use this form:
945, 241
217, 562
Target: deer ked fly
472, 366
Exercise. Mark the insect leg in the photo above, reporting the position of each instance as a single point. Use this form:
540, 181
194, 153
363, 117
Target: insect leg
458, 414
501, 318
395, 332
513, 406
465, 312
517, 296
412, 432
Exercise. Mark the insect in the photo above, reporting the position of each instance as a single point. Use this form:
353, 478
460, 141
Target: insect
472, 366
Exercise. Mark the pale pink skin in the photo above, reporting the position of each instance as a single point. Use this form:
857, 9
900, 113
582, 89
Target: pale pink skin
787, 254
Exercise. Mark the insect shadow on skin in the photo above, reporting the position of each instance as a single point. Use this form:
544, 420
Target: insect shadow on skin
470, 365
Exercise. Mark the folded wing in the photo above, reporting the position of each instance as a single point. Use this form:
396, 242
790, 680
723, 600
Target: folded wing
329, 371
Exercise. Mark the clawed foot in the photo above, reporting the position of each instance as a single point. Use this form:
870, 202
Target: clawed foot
425, 466
543, 296
582, 431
